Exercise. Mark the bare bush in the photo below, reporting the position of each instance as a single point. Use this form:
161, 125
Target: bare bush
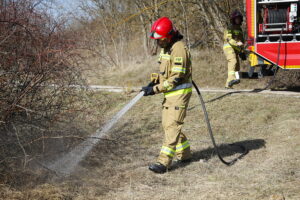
38, 64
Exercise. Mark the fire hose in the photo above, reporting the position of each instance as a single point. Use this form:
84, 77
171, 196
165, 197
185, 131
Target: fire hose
245, 151
228, 163
154, 80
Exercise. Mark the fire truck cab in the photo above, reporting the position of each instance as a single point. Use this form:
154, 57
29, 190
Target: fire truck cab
274, 33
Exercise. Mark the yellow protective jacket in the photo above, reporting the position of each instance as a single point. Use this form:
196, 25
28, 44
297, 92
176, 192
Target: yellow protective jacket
232, 35
175, 76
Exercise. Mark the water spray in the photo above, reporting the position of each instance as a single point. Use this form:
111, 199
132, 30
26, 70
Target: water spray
67, 163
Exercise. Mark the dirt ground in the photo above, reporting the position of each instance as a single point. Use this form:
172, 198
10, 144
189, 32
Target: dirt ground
117, 168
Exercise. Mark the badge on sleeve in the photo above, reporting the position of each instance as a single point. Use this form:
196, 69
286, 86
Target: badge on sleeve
178, 60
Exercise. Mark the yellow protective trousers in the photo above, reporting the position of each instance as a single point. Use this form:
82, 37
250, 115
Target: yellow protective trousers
175, 142
233, 63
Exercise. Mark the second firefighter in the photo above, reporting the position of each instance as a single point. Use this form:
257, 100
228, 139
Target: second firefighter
233, 48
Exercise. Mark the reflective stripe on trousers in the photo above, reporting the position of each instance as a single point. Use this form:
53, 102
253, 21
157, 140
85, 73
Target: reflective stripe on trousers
168, 151
182, 146
236, 74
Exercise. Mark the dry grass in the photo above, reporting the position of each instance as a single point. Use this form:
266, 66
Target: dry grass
117, 168
132, 73
69, 129
209, 70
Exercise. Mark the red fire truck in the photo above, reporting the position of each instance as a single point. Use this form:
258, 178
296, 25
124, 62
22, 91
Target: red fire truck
274, 33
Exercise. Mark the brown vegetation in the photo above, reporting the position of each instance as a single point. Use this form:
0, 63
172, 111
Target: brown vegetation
38, 63
119, 30
117, 167
42, 115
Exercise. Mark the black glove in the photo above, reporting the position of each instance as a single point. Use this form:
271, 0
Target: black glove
148, 90
151, 84
243, 55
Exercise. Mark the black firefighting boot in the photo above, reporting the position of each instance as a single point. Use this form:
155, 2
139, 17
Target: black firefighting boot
233, 82
185, 161
181, 163
158, 168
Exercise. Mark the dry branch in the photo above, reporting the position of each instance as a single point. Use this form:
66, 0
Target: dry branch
36, 51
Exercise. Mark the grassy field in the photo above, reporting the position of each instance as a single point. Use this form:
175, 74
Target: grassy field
209, 70
117, 168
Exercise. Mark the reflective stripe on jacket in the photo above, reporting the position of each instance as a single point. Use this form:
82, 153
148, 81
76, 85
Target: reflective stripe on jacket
175, 75
232, 35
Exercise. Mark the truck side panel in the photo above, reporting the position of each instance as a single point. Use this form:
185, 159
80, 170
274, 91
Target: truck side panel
289, 57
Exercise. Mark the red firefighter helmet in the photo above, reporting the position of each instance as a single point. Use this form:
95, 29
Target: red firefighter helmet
162, 28
236, 14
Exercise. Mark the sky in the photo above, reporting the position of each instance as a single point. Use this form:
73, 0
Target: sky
64, 7
68, 4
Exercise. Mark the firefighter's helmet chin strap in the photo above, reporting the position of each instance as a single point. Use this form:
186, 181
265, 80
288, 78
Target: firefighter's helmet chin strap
228, 163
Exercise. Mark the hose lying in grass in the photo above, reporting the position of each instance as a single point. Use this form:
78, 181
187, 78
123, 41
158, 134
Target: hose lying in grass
228, 163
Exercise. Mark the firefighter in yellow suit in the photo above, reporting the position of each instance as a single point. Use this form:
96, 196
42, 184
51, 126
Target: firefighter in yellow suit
175, 82
233, 48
